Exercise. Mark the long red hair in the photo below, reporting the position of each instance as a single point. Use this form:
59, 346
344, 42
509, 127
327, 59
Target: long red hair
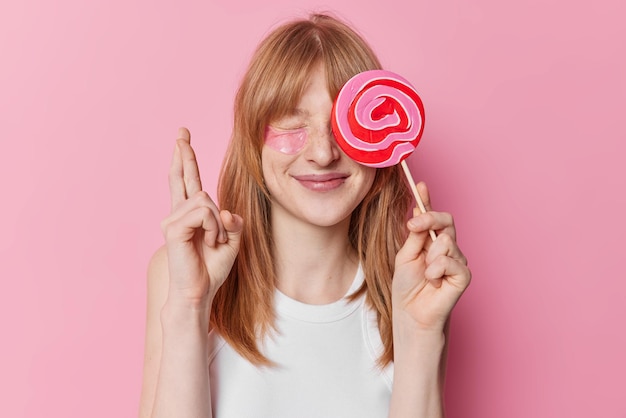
242, 310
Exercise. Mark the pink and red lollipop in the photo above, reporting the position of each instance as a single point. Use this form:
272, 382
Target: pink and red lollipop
378, 120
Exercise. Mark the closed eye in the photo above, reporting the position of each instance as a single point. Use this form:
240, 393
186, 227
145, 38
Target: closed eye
288, 129
286, 141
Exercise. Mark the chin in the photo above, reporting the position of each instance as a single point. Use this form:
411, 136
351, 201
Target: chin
329, 223
326, 218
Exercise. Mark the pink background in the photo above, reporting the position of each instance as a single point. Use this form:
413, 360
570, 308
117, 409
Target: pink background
524, 143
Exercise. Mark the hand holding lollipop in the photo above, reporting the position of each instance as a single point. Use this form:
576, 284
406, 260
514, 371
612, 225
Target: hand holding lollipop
378, 120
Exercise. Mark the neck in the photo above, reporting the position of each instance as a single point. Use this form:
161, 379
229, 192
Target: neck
314, 265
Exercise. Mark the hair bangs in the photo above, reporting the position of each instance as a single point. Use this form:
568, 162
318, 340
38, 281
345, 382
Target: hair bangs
284, 64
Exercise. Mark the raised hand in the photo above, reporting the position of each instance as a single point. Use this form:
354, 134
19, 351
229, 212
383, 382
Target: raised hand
429, 277
202, 241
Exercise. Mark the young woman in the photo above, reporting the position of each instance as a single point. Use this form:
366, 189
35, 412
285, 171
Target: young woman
308, 294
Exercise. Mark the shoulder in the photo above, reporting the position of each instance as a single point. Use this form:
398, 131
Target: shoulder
157, 286
158, 276
157, 289
157, 267
157, 282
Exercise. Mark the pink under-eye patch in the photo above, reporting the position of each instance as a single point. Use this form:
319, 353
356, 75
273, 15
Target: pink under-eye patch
290, 141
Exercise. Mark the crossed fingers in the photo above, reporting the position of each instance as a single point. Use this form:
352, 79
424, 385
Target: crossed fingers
186, 195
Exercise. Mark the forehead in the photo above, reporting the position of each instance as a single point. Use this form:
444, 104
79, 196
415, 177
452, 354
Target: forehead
308, 99
315, 98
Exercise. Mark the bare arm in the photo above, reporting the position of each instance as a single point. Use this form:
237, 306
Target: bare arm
158, 281
201, 245
183, 378
419, 373
175, 379
429, 279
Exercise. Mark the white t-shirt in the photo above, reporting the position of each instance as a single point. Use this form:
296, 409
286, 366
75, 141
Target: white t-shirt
326, 365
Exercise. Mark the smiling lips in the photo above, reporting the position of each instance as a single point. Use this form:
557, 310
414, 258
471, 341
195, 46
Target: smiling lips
321, 182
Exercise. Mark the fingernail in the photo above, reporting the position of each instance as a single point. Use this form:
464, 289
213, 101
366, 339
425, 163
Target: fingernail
415, 222
182, 133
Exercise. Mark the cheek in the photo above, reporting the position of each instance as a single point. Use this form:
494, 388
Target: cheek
369, 176
273, 164
286, 142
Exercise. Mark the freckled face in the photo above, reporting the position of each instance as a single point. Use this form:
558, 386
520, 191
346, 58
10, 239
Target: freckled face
308, 176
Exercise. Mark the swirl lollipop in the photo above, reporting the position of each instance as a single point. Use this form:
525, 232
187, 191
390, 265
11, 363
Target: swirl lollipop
378, 120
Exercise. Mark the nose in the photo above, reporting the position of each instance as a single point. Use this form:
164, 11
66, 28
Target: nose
322, 148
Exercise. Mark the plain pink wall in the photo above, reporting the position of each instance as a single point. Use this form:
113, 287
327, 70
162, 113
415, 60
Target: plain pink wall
524, 143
